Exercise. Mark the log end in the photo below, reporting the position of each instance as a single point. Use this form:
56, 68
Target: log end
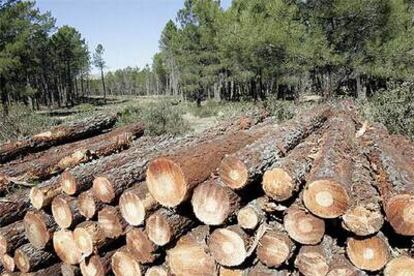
37, 198
109, 220
326, 199
8, 262
211, 203
4, 244
92, 266
132, 208
227, 247
362, 220
400, 213
62, 212
66, 248
274, 248
224, 271
124, 264
248, 218
166, 182
22, 261
156, 271
158, 229
278, 184
36, 229
103, 189
304, 227
83, 241
233, 173
311, 262
87, 205
400, 266
368, 254
68, 183
140, 245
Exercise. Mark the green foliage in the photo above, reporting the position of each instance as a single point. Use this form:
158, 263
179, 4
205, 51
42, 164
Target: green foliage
394, 108
159, 118
22, 121
281, 110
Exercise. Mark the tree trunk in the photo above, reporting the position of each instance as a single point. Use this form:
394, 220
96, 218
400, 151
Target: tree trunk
402, 265
96, 265
39, 228
65, 211
89, 237
14, 207
141, 247
111, 221
124, 263
28, 258
88, 204
103, 84
66, 248
11, 237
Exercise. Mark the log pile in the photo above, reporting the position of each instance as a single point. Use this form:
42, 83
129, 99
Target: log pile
321, 194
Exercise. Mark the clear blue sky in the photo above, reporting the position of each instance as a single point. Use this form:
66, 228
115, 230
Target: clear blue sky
129, 30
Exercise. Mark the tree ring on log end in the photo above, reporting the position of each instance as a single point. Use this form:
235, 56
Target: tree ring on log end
8, 262
68, 183
36, 230
400, 213
326, 199
274, 249
166, 182
61, 212
227, 247
158, 229
83, 240
400, 266
103, 189
363, 221
86, 205
132, 208
368, 254
233, 173
37, 198
123, 264
304, 227
211, 203
92, 267
21, 261
156, 271
278, 184
248, 218
66, 248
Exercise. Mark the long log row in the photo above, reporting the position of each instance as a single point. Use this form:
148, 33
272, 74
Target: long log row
58, 135
55, 160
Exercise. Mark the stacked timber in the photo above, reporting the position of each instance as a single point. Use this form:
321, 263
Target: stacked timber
320, 194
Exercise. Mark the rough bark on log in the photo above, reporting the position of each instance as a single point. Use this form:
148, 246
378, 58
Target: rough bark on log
124, 264
328, 188
12, 236
65, 211
111, 221
172, 178
190, 255
404, 145
302, 226
364, 215
39, 227
275, 246
136, 204
70, 270
43, 194
57, 135
241, 168
139, 244
89, 237
287, 176
251, 215
229, 246
88, 205
96, 265
165, 225
28, 258
370, 254
53, 270
14, 207
400, 266
63, 241
56, 160
213, 202
261, 270
395, 178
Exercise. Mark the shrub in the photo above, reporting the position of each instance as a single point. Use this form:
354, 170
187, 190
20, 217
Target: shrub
281, 109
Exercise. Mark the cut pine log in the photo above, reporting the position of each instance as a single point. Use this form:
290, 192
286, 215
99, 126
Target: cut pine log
213, 202
88, 205
65, 211
400, 266
43, 194
8, 263
136, 204
70, 270
124, 264
89, 237
364, 215
172, 178
370, 254
165, 225
302, 226
328, 190
229, 246
111, 221
395, 178
159, 270
190, 255
39, 227
139, 245
12, 236
58, 135
56, 160
275, 246
287, 176
65, 247
28, 258
96, 265
340, 265
13, 207
246, 165
251, 215
261, 270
